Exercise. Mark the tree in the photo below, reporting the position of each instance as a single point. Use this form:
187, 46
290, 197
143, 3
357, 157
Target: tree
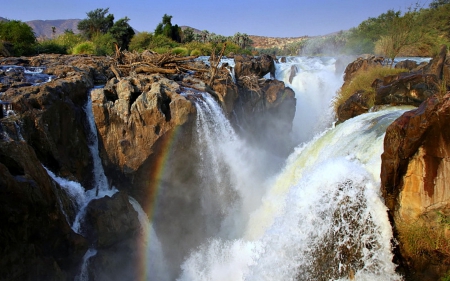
401, 32
188, 35
167, 29
438, 3
122, 33
20, 35
96, 23
141, 41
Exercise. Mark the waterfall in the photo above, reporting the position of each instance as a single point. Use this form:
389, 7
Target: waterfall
155, 261
322, 217
101, 187
315, 83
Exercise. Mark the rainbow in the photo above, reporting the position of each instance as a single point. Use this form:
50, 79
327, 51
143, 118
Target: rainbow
163, 151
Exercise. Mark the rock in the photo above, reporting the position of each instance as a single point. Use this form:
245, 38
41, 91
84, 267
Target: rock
414, 182
357, 104
407, 90
293, 73
132, 114
407, 64
361, 64
113, 227
36, 241
259, 66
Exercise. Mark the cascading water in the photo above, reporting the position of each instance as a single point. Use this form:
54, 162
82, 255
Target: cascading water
322, 218
315, 83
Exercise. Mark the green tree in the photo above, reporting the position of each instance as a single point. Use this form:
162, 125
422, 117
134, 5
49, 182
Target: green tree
141, 41
438, 3
187, 35
167, 29
20, 35
98, 22
122, 33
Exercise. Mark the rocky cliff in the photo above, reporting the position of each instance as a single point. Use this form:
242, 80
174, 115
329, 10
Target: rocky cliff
137, 116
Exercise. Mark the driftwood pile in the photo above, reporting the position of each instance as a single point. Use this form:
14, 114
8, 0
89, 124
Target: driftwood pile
148, 62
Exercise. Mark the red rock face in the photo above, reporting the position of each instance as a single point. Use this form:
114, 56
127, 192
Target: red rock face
419, 135
415, 177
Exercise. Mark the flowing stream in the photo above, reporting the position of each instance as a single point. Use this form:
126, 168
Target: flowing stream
322, 217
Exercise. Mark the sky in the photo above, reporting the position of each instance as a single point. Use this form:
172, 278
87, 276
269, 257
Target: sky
276, 18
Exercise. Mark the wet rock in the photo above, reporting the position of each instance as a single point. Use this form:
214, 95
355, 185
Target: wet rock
36, 242
114, 228
357, 104
414, 181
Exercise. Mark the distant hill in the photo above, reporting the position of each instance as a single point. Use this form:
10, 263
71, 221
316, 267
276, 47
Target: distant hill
43, 28
263, 42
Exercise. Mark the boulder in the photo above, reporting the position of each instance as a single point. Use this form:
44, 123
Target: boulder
407, 64
36, 242
259, 66
414, 182
132, 114
410, 89
361, 64
113, 227
357, 104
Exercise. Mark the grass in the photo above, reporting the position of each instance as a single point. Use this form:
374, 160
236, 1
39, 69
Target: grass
425, 237
363, 81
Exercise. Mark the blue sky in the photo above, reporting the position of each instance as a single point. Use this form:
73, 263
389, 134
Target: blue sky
276, 18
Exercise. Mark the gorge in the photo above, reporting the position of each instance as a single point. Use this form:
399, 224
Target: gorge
242, 177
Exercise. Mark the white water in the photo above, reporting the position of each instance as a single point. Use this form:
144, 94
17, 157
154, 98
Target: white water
315, 85
156, 263
322, 217
101, 187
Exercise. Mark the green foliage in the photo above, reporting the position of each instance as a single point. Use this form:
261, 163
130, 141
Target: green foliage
96, 23
161, 41
168, 30
182, 51
162, 50
122, 33
50, 47
20, 35
140, 41
84, 48
104, 44
363, 81
196, 52
187, 35
435, 4
68, 39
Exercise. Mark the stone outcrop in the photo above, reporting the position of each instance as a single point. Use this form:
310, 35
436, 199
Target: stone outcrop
132, 114
361, 64
259, 66
113, 227
356, 104
36, 241
414, 182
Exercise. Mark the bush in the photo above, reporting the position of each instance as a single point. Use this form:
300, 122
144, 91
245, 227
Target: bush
68, 40
104, 44
205, 49
180, 51
161, 41
19, 35
50, 47
162, 50
363, 81
196, 52
140, 41
84, 48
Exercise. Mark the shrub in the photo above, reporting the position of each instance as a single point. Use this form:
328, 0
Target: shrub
162, 50
140, 41
363, 81
104, 44
196, 52
84, 48
161, 41
68, 40
50, 47
180, 51
19, 35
